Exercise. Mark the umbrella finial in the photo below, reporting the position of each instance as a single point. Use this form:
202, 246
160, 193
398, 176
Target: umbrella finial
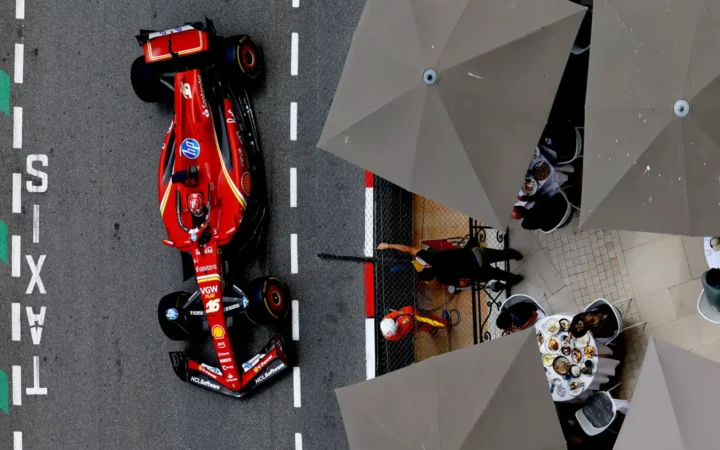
430, 77
682, 108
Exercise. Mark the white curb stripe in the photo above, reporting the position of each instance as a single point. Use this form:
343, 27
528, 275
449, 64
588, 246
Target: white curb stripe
369, 349
369, 223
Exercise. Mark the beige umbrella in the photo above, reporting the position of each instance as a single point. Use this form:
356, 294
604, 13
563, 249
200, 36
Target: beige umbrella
448, 98
652, 141
676, 404
489, 396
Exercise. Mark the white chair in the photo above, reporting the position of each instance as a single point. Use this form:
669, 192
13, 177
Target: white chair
618, 317
565, 218
578, 143
706, 310
617, 406
522, 298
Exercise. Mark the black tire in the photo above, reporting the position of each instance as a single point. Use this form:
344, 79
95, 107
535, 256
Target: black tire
175, 329
146, 82
268, 301
244, 57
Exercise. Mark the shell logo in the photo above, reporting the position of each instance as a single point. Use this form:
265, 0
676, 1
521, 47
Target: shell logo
218, 332
246, 183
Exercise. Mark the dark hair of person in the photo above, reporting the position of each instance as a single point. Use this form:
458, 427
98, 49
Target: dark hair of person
504, 320
427, 274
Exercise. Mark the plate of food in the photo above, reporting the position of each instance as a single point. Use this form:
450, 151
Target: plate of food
540, 338
548, 359
577, 355
552, 345
564, 324
557, 387
575, 371
566, 350
561, 365
530, 186
582, 341
588, 368
552, 326
576, 388
541, 171
589, 352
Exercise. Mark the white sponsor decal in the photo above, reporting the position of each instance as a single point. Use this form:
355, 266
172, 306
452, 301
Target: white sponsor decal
206, 268
231, 116
170, 31
209, 290
186, 92
205, 383
249, 365
224, 360
196, 313
212, 369
231, 307
269, 373
212, 305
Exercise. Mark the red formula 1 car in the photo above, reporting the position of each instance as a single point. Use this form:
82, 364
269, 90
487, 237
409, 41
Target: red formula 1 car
212, 200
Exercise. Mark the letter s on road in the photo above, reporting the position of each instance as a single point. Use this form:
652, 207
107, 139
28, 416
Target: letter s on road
43, 186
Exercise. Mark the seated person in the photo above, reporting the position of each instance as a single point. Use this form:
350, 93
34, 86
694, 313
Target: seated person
600, 321
398, 324
518, 317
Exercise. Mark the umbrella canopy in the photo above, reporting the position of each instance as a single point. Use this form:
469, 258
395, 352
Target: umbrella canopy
448, 98
652, 150
676, 404
490, 396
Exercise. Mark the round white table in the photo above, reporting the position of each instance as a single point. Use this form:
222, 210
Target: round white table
604, 367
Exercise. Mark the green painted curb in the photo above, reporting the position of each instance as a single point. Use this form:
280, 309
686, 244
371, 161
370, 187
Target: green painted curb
5, 92
4, 405
3, 242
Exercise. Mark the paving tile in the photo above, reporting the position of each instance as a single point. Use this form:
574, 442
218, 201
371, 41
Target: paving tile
563, 301
695, 255
633, 239
688, 332
684, 297
533, 285
522, 240
656, 308
656, 266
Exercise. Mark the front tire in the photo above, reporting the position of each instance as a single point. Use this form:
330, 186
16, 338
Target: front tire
268, 301
172, 317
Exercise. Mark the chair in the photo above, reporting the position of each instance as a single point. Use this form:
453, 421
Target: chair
565, 218
578, 140
589, 429
618, 317
522, 298
706, 310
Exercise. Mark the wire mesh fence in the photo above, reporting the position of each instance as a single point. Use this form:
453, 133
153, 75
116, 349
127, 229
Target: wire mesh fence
446, 318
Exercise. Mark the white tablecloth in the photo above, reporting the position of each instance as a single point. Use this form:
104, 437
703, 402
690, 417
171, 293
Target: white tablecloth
605, 367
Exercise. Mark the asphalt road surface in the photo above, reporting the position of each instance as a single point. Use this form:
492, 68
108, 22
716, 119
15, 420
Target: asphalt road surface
101, 355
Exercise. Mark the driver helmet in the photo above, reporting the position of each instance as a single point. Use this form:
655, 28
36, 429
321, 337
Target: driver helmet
388, 327
196, 204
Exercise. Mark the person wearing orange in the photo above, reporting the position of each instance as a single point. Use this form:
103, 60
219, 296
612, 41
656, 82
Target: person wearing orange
399, 324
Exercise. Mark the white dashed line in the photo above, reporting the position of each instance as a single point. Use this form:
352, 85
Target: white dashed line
20, 11
296, 387
296, 3
295, 320
298, 441
369, 223
293, 121
370, 349
294, 45
17, 126
17, 193
17, 385
293, 187
17, 440
19, 56
15, 242
16, 313
36, 224
293, 254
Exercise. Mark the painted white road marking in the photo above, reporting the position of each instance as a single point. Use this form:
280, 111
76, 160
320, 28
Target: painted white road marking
17, 193
17, 440
20, 9
36, 389
36, 322
37, 173
36, 224
35, 269
293, 254
296, 387
15, 258
17, 126
293, 187
294, 45
17, 385
293, 121
296, 3
370, 349
369, 223
295, 320
298, 441
16, 313
19, 63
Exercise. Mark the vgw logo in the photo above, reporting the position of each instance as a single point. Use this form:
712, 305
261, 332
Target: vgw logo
209, 290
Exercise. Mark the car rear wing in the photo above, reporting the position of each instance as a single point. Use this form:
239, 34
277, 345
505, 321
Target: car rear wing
189, 39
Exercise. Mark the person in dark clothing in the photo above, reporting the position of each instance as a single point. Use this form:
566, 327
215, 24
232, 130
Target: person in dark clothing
547, 213
600, 321
462, 266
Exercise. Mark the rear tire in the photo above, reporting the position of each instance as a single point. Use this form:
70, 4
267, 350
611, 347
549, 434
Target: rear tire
244, 57
268, 301
172, 317
146, 82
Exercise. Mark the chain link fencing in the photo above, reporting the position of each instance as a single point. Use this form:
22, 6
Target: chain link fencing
401, 217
